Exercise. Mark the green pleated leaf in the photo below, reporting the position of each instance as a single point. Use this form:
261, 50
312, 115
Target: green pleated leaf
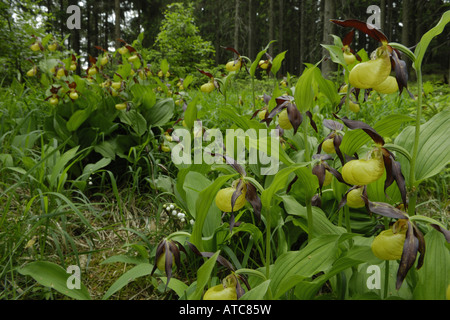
123, 70
336, 54
60, 127
353, 140
107, 148
422, 46
258, 57
433, 151
367, 275
281, 181
93, 167
123, 259
242, 121
317, 256
135, 120
203, 276
326, 87
202, 205
53, 276
160, 113
322, 224
375, 191
395, 148
304, 92
78, 118
308, 180
194, 183
187, 81
276, 63
60, 164
190, 115
138, 271
164, 66
403, 49
306, 290
257, 293
434, 276
176, 285
143, 96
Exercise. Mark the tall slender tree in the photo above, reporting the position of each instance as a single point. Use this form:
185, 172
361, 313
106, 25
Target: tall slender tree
406, 9
236, 24
302, 41
280, 24
117, 22
250, 44
383, 15
406, 21
271, 25
328, 30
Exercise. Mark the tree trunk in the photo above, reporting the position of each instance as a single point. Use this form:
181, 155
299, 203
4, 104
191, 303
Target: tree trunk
316, 31
447, 81
96, 14
271, 32
88, 29
218, 33
62, 25
280, 29
280, 24
383, 16
250, 29
302, 35
106, 34
50, 21
406, 29
405, 20
328, 30
236, 25
75, 38
139, 10
419, 20
117, 22
389, 19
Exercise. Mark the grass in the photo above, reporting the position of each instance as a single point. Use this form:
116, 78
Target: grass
65, 240
124, 217
433, 197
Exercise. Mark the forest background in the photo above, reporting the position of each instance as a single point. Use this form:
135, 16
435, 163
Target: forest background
300, 27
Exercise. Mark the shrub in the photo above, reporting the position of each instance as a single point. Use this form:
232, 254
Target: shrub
180, 43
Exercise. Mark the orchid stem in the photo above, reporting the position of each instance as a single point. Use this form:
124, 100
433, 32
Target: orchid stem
386, 266
347, 219
268, 222
386, 279
308, 198
412, 176
253, 94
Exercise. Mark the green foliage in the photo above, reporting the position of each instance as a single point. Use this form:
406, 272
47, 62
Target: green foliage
293, 238
180, 42
140, 270
17, 31
53, 276
434, 148
434, 276
422, 46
